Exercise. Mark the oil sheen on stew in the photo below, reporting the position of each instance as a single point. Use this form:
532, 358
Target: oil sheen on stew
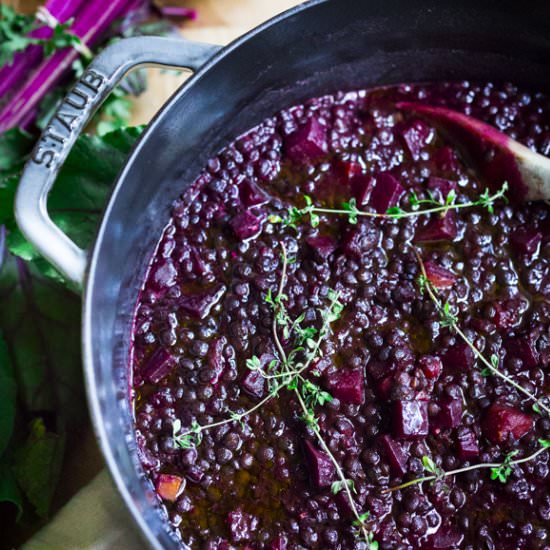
392, 391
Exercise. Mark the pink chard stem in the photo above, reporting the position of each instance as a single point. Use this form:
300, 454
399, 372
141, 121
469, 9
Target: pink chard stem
92, 21
13, 75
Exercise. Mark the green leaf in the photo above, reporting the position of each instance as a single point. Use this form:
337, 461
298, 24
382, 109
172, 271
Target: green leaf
545, 443
253, 363
40, 322
38, 465
8, 391
9, 490
15, 145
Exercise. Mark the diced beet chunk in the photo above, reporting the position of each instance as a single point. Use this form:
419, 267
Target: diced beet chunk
450, 414
322, 246
525, 240
441, 186
158, 365
346, 171
438, 229
468, 447
242, 526
253, 383
216, 359
309, 141
410, 418
361, 187
246, 225
416, 135
458, 357
385, 193
523, 349
439, 276
251, 195
446, 538
431, 366
199, 305
321, 468
347, 386
501, 422
397, 456
384, 387
169, 486
445, 159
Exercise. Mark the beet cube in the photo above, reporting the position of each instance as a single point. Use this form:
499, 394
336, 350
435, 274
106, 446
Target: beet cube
384, 387
450, 414
410, 418
216, 359
458, 357
308, 142
253, 383
446, 538
242, 526
397, 456
525, 240
321, 468
439, 276
441, 186
438, 229
158, 365
468, 447
251, 195
246, 225
322, 246
416, 135
523, 349
385, 193
501, 422
346, 170
347, 386
361, 187
431, 366
199, 305
445, 159
169, 486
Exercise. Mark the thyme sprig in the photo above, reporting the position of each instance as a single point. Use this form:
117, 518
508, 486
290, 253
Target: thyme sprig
433, 205
499, 470
450, 320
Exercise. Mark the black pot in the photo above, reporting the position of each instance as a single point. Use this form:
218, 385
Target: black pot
319, 47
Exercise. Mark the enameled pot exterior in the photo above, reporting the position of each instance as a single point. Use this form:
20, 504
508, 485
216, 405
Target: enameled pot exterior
319, 47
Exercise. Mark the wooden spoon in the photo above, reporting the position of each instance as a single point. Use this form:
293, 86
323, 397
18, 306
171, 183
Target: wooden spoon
500, 158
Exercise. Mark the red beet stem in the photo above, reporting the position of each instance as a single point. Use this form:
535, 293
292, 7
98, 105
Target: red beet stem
92, 22
178, 11
14, 74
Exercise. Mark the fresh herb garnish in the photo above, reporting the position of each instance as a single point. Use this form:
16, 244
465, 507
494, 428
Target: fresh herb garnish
353, 213
499, 470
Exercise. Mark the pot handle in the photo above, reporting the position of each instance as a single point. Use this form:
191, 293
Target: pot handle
58, 138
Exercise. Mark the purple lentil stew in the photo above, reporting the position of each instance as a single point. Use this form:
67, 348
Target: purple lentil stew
343, 340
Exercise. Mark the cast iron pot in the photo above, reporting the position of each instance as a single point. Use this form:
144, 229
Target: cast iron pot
319, 47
